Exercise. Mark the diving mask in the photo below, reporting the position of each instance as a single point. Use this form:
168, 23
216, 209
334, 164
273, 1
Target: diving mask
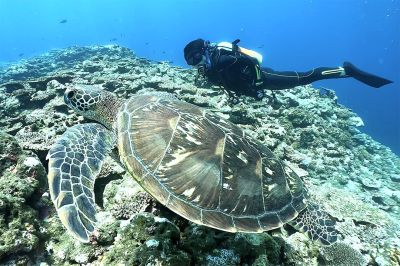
195, 59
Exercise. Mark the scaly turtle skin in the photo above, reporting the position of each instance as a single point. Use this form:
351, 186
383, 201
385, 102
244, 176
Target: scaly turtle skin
196, 163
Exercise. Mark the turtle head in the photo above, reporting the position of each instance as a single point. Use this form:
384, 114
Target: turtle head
93, 102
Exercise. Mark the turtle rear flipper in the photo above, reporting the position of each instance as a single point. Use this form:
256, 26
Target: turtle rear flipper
317, 223
74, 162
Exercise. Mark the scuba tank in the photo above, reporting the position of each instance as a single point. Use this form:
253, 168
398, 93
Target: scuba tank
233, 46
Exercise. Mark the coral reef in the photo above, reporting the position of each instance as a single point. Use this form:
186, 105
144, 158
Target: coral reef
22, 184
341, 254
355, 179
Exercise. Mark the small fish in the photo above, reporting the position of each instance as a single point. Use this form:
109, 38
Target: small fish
146, 43
260, 46
113, 40
63, 21
21, 54
163, 52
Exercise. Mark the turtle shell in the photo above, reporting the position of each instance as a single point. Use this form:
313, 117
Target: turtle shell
205, 168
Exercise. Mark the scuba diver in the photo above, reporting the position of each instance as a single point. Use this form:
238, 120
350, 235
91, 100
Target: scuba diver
239, 72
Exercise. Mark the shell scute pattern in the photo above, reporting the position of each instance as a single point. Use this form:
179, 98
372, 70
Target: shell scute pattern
193, 155
241, 196
205, 168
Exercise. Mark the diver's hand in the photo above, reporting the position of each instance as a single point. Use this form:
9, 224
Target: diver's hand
234, 99
201, 70
259, 94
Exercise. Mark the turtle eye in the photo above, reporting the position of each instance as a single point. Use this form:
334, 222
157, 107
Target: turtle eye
70, 94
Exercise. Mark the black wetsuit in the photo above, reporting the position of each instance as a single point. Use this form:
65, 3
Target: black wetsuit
240, 74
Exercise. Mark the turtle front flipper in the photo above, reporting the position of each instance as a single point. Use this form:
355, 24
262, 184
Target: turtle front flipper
75, 160
317, 223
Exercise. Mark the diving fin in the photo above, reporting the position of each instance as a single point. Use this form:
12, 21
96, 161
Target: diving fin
364, 77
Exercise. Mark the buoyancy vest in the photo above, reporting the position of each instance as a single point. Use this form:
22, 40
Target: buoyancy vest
229, 47
233, 47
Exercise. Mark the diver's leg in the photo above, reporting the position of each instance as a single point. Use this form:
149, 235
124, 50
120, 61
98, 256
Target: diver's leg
276, 80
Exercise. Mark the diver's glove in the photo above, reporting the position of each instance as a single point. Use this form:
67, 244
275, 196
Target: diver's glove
233, 98
259, 94
201, 70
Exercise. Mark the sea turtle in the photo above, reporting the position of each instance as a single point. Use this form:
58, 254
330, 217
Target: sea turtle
196, 163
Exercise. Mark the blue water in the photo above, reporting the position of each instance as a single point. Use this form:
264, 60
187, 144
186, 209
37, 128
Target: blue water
291, 34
